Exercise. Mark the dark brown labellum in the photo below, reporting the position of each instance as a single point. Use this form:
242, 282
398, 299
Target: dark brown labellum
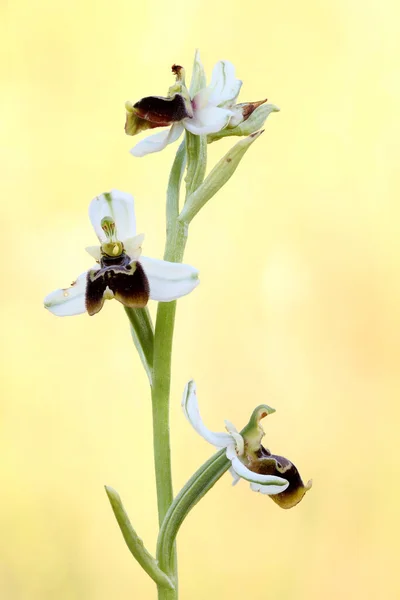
272, 464
126, 280
162, 111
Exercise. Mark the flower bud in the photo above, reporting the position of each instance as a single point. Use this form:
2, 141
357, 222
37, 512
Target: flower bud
253, 116
241, 112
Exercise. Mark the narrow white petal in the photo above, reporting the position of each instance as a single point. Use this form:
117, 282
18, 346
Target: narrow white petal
231, 450
231, 429
224, 86
133, 246
169, 281
120, 206
158, 141
235, 476
274, 484
69, 301
191, 409
94, 251
208, 120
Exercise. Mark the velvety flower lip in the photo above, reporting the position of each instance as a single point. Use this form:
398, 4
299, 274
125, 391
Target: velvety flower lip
267, 473
120, 271
207, 112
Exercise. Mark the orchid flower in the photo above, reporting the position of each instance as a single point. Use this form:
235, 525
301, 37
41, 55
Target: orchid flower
120, 271
267, 473
208, 111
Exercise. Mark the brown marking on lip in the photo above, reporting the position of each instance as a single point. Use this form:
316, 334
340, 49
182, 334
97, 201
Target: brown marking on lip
126, 280
161, 111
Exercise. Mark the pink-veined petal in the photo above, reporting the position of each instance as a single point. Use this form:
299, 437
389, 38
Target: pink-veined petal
208, 120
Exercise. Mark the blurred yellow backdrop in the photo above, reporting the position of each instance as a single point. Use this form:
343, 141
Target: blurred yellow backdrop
298, 306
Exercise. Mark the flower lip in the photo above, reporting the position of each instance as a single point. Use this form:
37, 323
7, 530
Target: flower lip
274, 464
120, 279
162, 111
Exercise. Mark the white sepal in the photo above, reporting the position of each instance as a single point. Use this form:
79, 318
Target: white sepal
158, 141
69, 301
94, 251
169, 281
120, 207
224, 87
274, 484
191, 409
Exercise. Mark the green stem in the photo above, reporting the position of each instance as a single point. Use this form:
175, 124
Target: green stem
162, 379
161, 375
196, 149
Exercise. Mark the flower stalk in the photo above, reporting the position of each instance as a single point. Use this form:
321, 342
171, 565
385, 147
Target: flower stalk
164, 330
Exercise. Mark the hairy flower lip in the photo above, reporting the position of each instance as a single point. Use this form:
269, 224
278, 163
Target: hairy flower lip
162, 111
128, 277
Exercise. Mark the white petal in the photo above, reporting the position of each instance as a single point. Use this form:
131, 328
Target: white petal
231, 429
120, 206
69, 301
169, 281
275, 485
94, 251
191, 409
235, 476
133, 246
158, 141
224, 86
208, 120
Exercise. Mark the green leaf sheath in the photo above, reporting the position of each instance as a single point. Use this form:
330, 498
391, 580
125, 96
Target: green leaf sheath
196, 146
193, 491
220, 174
143, 336
174, 184
135, 544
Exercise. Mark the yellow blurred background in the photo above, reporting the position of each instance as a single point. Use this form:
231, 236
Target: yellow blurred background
298, 307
